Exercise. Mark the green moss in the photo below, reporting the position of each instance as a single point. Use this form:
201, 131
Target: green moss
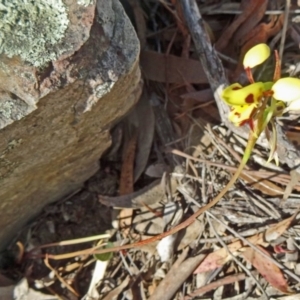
32, 29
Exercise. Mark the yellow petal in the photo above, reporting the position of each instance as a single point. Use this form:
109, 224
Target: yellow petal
287, 89
236, 95
256, 55
229, 91
238, 115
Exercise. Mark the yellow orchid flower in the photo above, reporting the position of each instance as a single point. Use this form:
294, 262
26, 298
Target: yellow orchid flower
259, 103
244, 101
286, 89
256, 55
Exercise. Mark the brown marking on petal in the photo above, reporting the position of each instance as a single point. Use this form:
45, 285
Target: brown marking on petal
250, 98
236, 88
244, 122
237, 114
279, 108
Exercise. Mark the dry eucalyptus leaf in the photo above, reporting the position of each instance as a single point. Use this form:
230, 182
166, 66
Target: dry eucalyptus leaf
156, 170
219, 257
267, 269
172, 69
146, 120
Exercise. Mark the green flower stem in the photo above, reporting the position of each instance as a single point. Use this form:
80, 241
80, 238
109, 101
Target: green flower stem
250, 145
262, 122
248, 150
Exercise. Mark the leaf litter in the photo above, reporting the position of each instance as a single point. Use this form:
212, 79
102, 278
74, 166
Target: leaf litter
246, 247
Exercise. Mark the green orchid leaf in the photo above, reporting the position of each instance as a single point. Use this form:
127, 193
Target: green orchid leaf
269, 113
273, 145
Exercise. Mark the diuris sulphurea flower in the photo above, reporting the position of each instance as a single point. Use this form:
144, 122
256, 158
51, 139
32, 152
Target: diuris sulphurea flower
244, 101
259, 103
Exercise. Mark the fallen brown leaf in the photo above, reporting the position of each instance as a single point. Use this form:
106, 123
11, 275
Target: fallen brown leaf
249, 7
265, 186
214, 285
126, 178
179, 272
146, 126
219, 257
267, 269
126, 182
150, 194
254, 18
261, 33
171, 69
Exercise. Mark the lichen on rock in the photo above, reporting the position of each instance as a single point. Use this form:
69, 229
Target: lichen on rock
85, 2
31, 29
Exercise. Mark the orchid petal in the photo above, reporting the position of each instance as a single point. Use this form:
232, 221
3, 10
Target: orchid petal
239, 114
286, 89
294, 105
256, 55
236, 95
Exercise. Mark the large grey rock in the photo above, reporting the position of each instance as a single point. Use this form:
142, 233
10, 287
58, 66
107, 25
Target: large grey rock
68, 71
